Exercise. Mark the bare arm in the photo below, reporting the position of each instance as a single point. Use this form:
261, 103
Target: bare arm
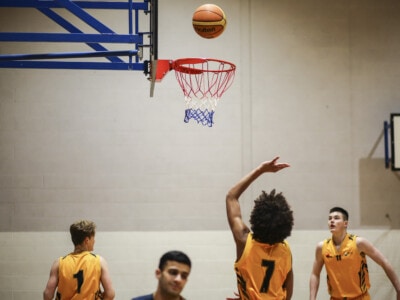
288, 285
238, 227
369, 249
52, 283
106, 282
316, 271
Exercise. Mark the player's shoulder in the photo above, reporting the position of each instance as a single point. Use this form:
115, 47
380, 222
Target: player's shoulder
321, 244
285, 247
362, 242
286, 244
144, 297
352, 237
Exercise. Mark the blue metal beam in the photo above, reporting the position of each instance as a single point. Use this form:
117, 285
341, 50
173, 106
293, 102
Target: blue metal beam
71, 37
84, 16
71, 65
71, 28
67, 55
134, 39
83, 4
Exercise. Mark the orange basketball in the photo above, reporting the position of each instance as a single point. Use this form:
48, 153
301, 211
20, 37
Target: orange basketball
209, 21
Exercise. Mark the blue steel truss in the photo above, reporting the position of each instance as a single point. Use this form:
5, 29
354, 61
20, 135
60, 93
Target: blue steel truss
135, 40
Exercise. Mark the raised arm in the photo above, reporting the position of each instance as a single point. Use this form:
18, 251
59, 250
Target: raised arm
238, 227
106, 282
52, 283
316, 271
369, 249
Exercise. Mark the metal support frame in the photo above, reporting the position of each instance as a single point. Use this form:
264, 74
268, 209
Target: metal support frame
386, 128
134, 38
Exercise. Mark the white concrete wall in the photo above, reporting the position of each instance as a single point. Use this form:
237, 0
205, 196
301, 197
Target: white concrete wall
315, 81
314, 84
26, 258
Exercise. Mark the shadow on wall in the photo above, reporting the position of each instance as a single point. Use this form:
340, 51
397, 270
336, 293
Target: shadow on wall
379, 192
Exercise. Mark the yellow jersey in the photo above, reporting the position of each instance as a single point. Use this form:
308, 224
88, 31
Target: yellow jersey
346, 268
262, 269
79, 277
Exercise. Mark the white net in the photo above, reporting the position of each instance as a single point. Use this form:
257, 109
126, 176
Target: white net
203, 82
201, 110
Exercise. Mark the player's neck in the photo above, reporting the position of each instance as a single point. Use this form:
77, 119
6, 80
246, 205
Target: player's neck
160, 296
79, 249
338, 237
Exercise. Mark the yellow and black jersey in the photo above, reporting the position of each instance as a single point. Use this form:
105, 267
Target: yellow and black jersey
79, 276
262, 270
347, 270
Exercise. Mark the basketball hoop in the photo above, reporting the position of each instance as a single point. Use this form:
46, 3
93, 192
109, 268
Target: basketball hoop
203, 82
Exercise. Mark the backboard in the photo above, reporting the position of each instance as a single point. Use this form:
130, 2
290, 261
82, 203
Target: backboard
395, 141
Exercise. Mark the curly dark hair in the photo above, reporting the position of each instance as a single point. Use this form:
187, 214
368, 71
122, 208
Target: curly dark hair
271, 219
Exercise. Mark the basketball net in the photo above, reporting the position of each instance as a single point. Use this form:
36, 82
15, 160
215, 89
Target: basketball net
203, 82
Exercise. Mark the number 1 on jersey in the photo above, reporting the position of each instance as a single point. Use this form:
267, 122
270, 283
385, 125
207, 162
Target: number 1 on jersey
79, 278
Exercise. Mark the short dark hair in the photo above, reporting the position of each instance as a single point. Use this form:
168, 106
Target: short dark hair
341, 210
80, 230
174, 255
271, 219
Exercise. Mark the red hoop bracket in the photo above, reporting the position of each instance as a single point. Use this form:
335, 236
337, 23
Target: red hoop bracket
163, 67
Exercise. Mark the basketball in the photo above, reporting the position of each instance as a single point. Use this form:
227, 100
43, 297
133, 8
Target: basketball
209, 21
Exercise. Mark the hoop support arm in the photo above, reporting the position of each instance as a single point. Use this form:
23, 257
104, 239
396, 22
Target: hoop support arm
163, 67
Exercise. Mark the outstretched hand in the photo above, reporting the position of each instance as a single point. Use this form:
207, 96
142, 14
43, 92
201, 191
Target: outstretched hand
273, 165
